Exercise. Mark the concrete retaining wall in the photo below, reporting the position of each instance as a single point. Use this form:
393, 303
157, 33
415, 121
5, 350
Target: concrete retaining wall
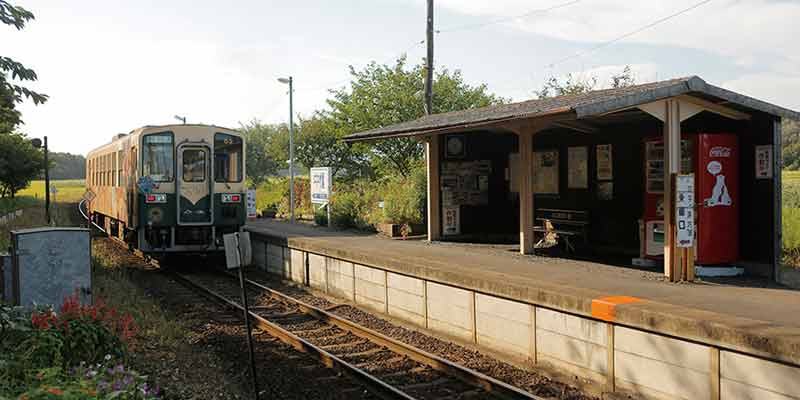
618, 358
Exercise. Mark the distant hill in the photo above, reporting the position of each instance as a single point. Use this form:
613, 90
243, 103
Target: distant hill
67, 166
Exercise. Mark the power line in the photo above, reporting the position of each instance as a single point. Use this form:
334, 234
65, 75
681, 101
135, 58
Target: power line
628, 34
506, 19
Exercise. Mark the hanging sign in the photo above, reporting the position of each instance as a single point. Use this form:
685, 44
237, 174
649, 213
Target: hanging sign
684, 210
764, 162
320, 185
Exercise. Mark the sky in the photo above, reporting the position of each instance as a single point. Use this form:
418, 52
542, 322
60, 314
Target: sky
111, 66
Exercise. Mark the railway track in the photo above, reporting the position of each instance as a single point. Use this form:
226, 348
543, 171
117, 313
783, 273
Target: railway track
387, 368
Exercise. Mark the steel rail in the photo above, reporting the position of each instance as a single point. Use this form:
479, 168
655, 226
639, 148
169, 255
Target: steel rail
438, 363
373, 384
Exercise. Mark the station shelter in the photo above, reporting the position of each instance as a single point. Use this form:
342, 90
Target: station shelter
597, 172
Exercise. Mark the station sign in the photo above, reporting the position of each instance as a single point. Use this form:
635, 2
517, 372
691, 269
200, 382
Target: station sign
320, 185
684, 210
251, 203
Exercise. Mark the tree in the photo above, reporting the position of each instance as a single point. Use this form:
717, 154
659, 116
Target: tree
20, 162
9, 115
381, 95
574, 84
17, 17
67, 166
553, 87
319, 144
623, 79
790, 133
264, 153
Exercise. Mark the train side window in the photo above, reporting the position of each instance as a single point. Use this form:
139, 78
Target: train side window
194, 165
119, 168
157, 157
228, 157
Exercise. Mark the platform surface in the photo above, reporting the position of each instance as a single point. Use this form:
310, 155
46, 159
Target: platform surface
756, 320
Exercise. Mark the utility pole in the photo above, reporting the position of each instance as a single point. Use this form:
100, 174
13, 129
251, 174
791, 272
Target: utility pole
291, 151
46, 183
429, 63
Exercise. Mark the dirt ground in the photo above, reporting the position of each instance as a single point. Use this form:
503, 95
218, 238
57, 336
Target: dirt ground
196, 350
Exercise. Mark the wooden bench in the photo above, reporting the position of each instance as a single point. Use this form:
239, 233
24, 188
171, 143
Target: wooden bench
567, 224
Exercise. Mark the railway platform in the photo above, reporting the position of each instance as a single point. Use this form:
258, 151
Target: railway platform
618, 328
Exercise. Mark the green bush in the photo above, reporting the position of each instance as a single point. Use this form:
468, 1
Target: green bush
401, 202
354, 205
791, 235
303, 209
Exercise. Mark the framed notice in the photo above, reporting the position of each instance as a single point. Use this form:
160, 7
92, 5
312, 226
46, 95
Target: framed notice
577, 168
764, 162
545, 172
451, 218
605, 169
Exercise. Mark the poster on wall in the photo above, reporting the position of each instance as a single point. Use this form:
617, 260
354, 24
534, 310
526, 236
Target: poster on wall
764, 162
577, 168
605, 168
465, 182
545, 172
684, 210
605, 190
451, 218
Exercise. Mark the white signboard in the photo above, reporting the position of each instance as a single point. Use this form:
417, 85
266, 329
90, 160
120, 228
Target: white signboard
764, 162
684, 210
320, 185
451, 218
251, 203
238, 252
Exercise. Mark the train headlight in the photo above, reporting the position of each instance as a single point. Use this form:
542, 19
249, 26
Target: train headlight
231, 197
155, 215
155, 198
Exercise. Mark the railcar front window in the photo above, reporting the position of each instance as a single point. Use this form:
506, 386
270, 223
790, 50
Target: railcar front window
227, 158
194, 165
157, 157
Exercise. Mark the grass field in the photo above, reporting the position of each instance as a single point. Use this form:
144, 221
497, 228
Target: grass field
67, 191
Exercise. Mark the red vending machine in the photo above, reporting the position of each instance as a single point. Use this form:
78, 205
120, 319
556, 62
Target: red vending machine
714, 159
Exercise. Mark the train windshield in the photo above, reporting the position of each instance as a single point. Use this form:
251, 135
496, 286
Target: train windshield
157, 162
227, 158
194, 165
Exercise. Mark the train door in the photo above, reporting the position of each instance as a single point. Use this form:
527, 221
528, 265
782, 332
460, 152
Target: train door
194, 185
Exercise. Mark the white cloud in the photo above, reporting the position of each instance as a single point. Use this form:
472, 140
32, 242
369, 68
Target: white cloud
776, 88
744, 30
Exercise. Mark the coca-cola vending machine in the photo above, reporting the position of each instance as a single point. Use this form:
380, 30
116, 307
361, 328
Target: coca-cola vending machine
714, 160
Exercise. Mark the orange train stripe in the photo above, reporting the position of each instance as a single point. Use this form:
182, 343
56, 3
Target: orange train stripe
603, 308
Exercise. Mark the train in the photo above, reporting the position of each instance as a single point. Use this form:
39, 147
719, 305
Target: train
169, 188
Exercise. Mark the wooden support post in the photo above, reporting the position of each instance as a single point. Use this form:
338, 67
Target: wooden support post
777, 201
672, 163
525, 192
434, 195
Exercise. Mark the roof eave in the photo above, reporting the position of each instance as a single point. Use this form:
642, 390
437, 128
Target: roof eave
692, 85
378, 135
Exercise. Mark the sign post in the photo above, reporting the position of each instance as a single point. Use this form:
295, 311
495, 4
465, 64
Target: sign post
321, 182
684, 224
251, 203
238, 254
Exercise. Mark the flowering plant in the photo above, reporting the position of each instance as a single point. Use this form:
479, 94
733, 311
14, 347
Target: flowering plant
106, 380
85, 333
